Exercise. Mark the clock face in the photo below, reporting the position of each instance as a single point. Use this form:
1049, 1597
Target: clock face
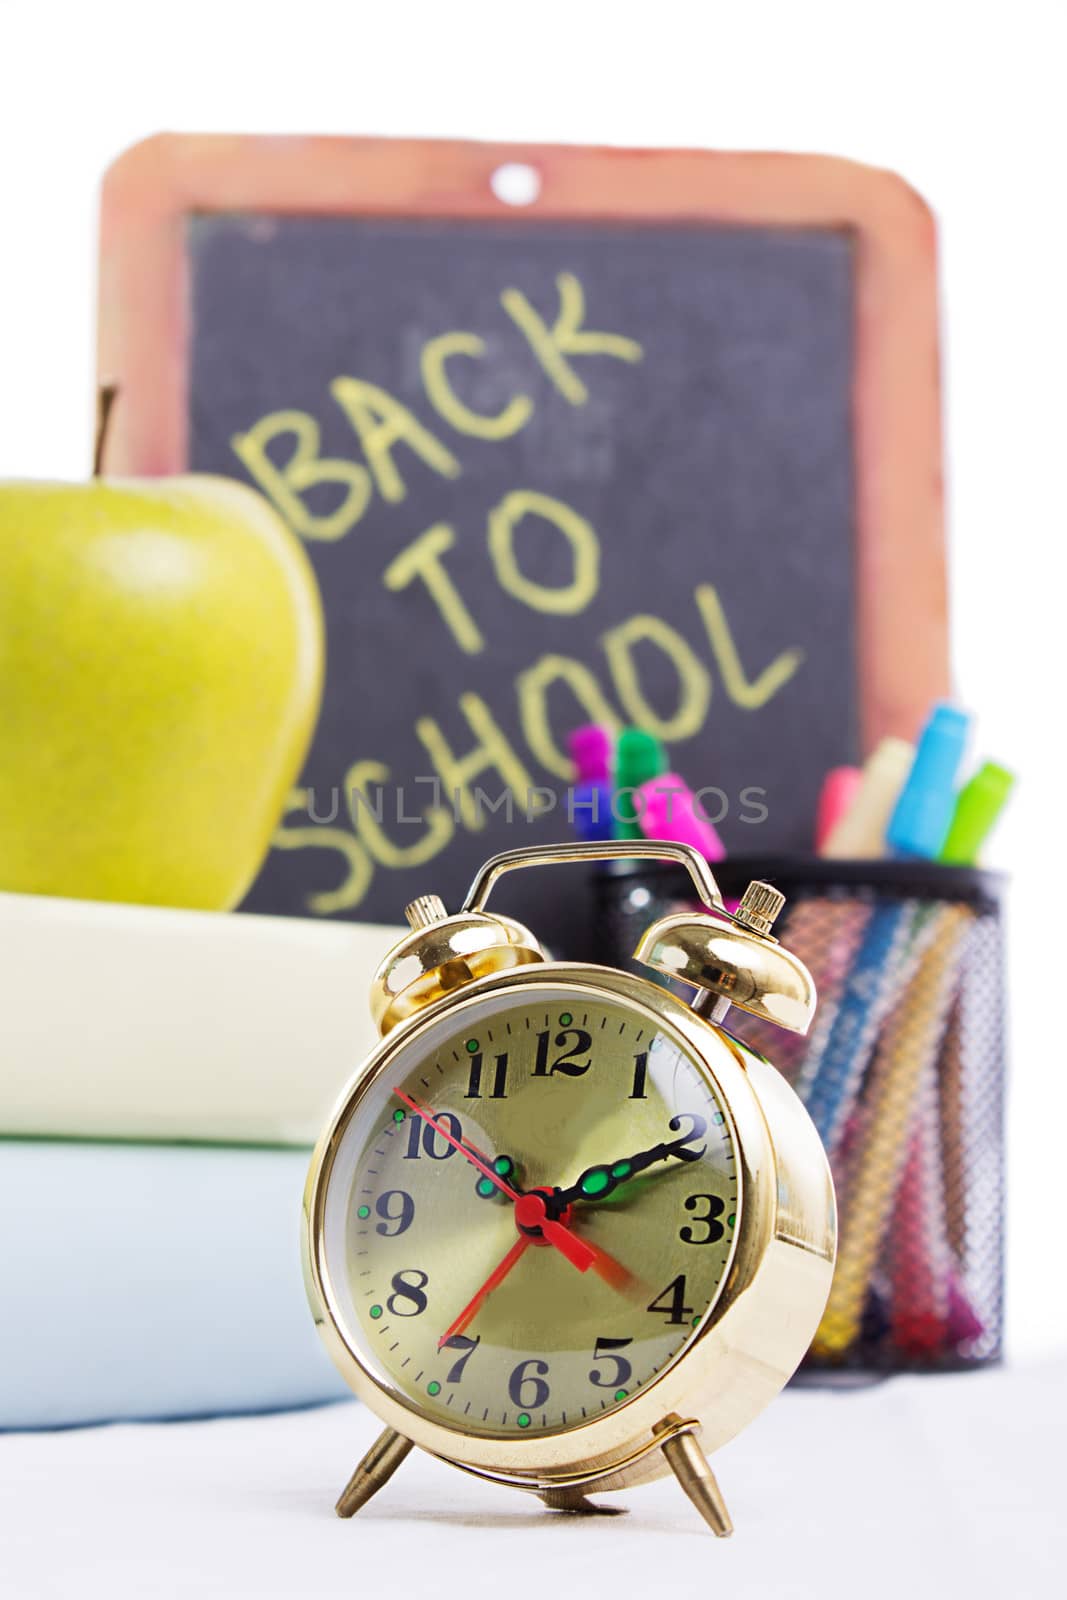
531, 1211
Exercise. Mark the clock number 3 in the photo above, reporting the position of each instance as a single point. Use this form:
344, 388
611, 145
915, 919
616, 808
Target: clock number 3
713, 1230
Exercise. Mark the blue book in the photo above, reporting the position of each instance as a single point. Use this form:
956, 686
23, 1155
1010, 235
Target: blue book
152, 1281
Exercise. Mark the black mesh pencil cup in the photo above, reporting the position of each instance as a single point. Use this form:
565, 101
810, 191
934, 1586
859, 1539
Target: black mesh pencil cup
903, 1075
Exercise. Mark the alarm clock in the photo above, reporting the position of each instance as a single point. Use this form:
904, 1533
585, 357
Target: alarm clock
563, 1230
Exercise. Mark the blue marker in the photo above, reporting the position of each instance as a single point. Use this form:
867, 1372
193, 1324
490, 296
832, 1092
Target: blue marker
589, 802
920, 822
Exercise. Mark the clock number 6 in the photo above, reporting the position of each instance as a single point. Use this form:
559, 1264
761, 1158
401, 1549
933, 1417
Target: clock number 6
713, 1229
529, 1376
603, 1377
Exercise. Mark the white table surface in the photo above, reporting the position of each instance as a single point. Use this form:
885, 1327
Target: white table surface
943, 1487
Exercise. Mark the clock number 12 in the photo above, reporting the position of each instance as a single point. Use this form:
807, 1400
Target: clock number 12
570, 1042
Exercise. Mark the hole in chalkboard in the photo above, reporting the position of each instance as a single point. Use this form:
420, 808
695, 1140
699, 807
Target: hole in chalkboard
516, 183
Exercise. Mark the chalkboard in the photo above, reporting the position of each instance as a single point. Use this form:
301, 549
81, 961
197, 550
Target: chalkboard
582, 468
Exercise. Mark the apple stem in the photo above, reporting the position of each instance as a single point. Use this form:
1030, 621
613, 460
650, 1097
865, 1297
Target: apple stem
106, 396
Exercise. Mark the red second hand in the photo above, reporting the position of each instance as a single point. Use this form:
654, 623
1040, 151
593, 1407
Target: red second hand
457, 1144
495, 1278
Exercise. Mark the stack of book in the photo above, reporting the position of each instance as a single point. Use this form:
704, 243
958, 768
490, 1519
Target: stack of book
163, 1075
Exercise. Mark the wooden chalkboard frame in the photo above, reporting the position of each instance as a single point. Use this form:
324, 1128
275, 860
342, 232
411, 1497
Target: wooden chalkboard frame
902, 624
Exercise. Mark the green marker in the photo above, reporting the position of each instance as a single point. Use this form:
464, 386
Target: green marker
978, 805
639, 756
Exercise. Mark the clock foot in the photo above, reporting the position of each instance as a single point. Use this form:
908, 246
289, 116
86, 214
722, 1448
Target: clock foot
690, 1466
373, 1472
574, 1501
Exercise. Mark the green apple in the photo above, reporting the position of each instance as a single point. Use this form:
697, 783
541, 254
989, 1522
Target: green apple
161, 662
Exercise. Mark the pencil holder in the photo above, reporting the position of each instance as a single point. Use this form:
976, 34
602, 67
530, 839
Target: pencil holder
903, 1075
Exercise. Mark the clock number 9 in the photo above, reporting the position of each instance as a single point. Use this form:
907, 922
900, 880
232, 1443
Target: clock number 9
408, 1288
529, 1376
389, 1213
713, 1229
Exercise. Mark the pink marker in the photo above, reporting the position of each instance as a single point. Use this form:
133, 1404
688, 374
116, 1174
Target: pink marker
838, 791
668, 809
591, 748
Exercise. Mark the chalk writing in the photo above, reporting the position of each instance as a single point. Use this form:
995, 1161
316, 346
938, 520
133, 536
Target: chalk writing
459, 747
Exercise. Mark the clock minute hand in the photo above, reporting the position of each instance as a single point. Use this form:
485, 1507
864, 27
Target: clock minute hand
597, 1182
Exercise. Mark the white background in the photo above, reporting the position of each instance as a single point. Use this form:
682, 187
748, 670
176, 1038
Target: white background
963, 98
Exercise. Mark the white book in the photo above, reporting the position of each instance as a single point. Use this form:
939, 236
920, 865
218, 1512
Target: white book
138, 1022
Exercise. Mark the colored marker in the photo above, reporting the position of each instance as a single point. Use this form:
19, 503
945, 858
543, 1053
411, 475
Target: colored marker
978, 807
860, 833
836, 798
668, 809
589, 805
639, 757
837, 1062
910, 1038
923, 814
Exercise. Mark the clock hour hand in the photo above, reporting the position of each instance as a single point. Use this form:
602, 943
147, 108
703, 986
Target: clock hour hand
596, 1183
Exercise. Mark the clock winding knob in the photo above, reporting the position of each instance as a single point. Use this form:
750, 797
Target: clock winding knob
759, 907
425, 911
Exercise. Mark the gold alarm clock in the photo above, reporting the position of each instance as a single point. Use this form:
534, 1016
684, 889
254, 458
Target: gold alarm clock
563, 1230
